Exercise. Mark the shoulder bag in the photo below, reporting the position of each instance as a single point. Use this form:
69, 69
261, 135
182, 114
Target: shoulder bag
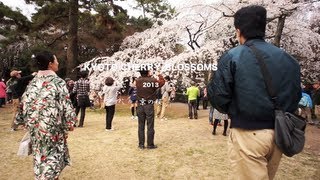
289, 128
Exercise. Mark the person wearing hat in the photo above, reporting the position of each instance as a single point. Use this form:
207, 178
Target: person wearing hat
17, 84
146, 95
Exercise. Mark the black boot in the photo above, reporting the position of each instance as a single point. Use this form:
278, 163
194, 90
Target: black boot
225, 127
215, 124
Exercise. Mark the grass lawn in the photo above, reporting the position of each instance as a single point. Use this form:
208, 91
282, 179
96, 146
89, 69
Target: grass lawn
186, 150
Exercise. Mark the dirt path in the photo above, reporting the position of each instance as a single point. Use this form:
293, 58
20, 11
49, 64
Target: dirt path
187, 150
312, 140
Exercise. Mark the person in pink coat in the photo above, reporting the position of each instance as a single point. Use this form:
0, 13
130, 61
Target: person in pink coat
3, 93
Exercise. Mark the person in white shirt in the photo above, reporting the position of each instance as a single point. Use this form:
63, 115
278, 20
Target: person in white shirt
110, 100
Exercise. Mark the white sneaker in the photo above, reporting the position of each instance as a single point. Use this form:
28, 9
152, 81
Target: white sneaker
136, 117
132, 117
110, 129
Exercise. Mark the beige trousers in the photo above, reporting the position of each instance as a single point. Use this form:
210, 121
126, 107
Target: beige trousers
158, 107
253, 154
165, 104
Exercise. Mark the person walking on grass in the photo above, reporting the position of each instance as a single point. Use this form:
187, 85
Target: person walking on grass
110, 100
217, 119
48, 114
205, 98
81, 89
193, 93
238, 89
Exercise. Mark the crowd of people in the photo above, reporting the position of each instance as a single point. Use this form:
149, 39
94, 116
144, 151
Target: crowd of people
48, 106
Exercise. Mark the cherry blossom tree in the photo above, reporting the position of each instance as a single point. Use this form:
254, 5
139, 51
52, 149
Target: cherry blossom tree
292, 25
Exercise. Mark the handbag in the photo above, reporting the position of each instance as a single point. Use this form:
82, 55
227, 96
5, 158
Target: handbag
25, 146
289, 128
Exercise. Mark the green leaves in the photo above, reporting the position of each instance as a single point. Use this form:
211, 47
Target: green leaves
156, 8
14, 18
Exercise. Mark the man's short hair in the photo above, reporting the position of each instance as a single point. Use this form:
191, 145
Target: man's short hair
144, 73
251, 21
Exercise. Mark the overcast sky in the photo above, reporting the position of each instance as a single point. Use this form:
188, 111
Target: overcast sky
27, 10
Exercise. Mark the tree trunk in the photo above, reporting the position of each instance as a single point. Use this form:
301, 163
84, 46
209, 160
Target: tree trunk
144, 11
72, 52
280, 27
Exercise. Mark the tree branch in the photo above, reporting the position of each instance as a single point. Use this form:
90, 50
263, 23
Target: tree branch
55, 39
190, 38
225, 15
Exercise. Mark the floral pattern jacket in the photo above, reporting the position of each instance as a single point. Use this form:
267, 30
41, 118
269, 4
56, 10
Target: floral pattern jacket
47, 111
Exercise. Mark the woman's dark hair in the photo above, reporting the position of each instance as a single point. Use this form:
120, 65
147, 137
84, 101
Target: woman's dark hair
251, 21
109, 81
83, 74
43, 59
167, 78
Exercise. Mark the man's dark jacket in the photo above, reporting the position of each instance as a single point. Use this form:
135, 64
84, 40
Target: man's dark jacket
238, 89
20, 86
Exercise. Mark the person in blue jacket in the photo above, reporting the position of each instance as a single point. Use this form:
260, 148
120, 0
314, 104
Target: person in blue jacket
238, 89
305, 105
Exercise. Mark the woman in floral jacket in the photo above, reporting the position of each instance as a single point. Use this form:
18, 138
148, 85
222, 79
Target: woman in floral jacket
48, 113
